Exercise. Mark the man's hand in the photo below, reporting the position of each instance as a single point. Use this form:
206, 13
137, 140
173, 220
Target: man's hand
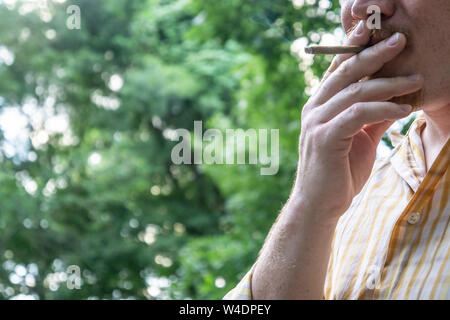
345, 120
342, 125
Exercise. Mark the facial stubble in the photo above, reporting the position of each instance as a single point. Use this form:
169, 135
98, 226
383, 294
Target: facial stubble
414, 99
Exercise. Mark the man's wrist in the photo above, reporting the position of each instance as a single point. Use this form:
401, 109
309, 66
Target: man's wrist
300, 210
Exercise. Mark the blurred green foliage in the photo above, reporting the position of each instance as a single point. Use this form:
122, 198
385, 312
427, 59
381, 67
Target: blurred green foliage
104, 194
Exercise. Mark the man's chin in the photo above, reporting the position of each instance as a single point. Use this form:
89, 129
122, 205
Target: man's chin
414, 99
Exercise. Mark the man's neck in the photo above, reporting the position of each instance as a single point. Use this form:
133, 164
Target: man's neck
436, 133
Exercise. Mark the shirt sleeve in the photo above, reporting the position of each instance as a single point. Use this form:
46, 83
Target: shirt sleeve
243, 290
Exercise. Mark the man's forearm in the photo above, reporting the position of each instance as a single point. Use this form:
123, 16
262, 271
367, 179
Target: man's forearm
293, 262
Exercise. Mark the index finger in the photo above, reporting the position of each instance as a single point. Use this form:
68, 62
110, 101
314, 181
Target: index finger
360, 36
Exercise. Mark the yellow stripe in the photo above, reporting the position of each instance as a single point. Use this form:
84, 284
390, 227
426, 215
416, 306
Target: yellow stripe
445, 287
328, 280
375, 216
399, 265
379, 226
433, 259
443, 204
446, 194
422, 258
356, 228
419, 152
438, 278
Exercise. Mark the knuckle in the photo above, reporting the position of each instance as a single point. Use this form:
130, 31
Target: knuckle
307, 124
306, 109
335, 64
357, 110
318, 133
344, 68
355, 88
324, 137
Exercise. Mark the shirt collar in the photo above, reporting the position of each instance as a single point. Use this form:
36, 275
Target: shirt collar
408, 157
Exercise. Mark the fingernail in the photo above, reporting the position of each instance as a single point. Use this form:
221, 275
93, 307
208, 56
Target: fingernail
415, 77
406, 108
393, 40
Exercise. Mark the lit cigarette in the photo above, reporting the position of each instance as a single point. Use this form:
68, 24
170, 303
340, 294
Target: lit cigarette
333, 49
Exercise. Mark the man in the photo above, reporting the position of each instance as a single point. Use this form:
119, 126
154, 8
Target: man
354, 228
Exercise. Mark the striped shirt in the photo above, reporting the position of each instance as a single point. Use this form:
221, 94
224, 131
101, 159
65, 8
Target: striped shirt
393, 242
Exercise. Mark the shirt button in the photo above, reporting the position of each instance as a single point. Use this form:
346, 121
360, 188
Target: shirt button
413, 217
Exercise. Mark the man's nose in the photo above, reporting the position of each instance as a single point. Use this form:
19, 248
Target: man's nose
360, 12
